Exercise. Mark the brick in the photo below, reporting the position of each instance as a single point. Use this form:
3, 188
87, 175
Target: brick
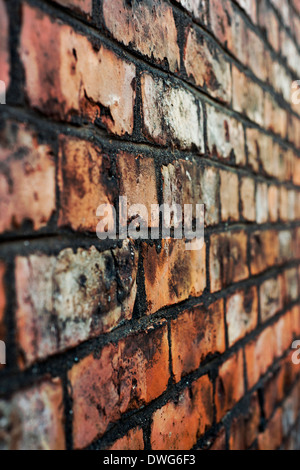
225, 136
271, 438
219, 443
229, 384
93, 84
257, 55
33, 418
250, 8
248, 98
270, 295
227, 259
4, 46
244, 428
123, 377
64, 300
196, 7
247, 194
179, 424
185, 182
84, 182
262, 203
27, 190
286, 248
2, 300
295, 315
241, 314
220, 20
138, 182
162, 284
274, 117
259, 355
274, 390
149, 28
133, 440
229, 196
206, 66
273, 203
195, 334
290, 411
83, 6
171, 115
264, 250
291, 285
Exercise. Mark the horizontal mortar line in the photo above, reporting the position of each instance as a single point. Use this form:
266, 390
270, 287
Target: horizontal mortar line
95, 135
171, 394
137, 56
69, 237
60, 363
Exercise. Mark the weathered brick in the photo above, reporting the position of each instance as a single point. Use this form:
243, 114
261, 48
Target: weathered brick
2, 300
273, 203
179, 424
291, 285
271, 438
93, 83
247, 194
27, 190
205, 64
248, 98
64, 300
83, 6
250, 8
149, 27
197, 7
220, 19
229, 384
171, 115
225, 136
264, 250
270, 294
274, 117
259, 355
262, 203
4, 47
162, 283
227, 259
33, 418
195, 334
244, 428
229, 196
283, 334
133, 440
125, 376
241, 314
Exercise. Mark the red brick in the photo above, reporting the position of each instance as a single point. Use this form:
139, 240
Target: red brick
244, 428
84, 183
264, 250
83, 6
179, 424
227, 259
64, 300
87, 82
259, 355
171, 115
229, 196
133, 440
27, 178
195, 334
247, 199
2, 300
196, 7
138, 182
206, 65
241, 314
147, 27
4, 46
229, 384
225, 136
33, 418
125, 376
221, 14
271, 438
270, 294
162, 283
248, 98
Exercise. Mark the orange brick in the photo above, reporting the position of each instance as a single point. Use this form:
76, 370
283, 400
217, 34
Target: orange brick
195, 334
273, 201
220, 17
264, 250
259, 355
271, 438
133, 440
27, 178
247, 199
229, 196
229, 384
179, 424
196, 7
162, 283
271, 298
244, 428
241, 314
125, 376
90, 84
83, 6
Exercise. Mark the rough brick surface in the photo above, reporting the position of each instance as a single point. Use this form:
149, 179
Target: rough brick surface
4, 46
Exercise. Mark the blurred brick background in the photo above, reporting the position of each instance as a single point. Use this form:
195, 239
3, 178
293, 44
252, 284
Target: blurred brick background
137, 345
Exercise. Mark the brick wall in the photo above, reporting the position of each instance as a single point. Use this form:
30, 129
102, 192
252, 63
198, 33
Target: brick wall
140, 344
